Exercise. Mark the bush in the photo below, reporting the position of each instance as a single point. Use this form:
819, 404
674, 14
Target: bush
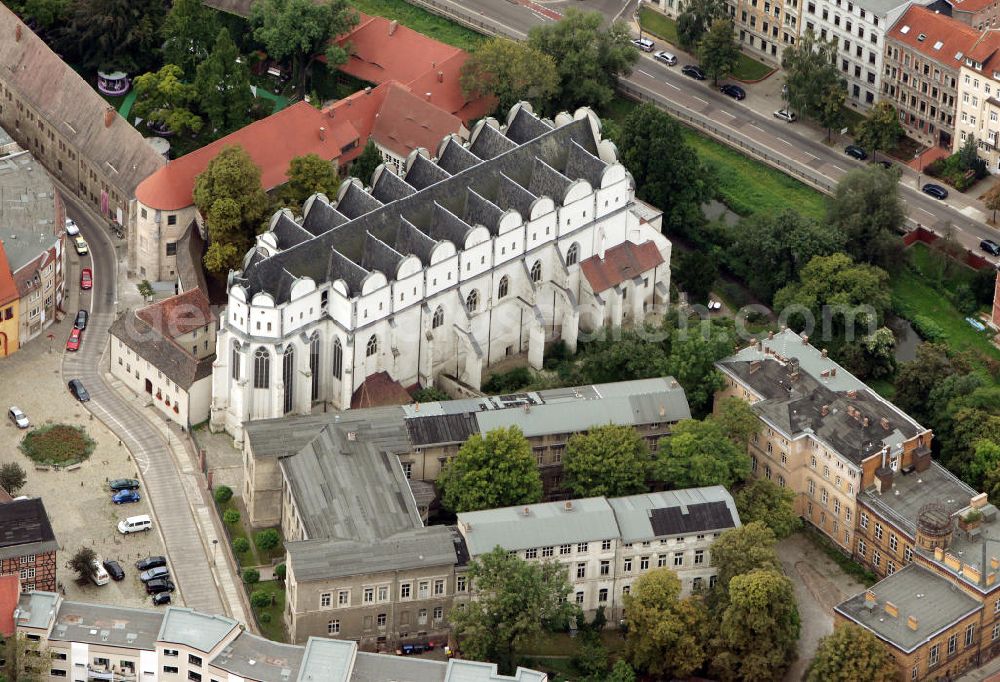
430, 394
241, 545
928, 329
508, 382
58, 444
231, 517
12, 477
260, 598
557, 354
251, 576
265, 617
223, 494
279, 571
267, 540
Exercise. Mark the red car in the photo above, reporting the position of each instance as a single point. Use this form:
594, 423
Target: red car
86, 278
75, 337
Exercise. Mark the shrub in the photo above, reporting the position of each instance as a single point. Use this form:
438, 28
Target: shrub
557, 354
251, 576
241, 545
223, 494
928, 329
279, 571
58, 444
267, 540
508, 382
265, 617
12, 477
231, 517
260, 598
430, 394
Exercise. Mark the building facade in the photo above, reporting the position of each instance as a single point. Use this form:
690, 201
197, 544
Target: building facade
28, 548
979, 100
766, 27
979, 14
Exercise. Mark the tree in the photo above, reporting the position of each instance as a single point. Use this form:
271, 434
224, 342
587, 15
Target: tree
916, 380
588, 58
47, 13
811, 76
222, 494
992, 200
770, 504
717, 50
495, 470
12, 477
621, 671
241, 546
744, 549
695, 20
302, 29
223, 86
112, 34
251, 576
666, 635
308, 175
162, 98
608, 461
260, 599
985, 459
513, 602
830, 113
145, 289
84, 563
691, 361
698, 453
229, 194
867, 211
881, 129
231, 517
872, 356
737, 420
511, 71
267, 539
840, 294
364, 166
280, 571
695, 272
851, 653
24, 660
188, 32
759, 628
667, 171
591, 657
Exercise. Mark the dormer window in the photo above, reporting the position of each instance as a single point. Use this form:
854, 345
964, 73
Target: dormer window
922, 37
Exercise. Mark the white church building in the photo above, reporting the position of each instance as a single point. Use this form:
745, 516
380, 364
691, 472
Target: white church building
528, 233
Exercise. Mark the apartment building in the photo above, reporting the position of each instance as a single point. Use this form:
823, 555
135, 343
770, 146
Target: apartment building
978, 100
824, 434
766, 27
607, 543
27, 544
98, 642
859, 30
979, 14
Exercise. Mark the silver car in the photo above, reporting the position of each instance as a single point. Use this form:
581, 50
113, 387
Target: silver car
19, 418
154, 573
784, 115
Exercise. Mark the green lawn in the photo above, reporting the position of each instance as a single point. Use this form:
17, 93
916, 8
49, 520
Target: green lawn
750, 69
658, 24
937, 268
422, 21
274, 628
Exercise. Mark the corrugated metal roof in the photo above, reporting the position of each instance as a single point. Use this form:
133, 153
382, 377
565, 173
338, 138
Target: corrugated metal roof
634, 511
548, 524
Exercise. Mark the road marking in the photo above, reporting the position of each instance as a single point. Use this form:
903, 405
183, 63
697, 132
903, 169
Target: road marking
727, 113
646, 73
781, 139
759, 130
811, 156
837, 167
924, 210
699, 99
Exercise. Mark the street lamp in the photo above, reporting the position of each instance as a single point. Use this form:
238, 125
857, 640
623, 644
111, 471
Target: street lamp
920, 166
215, 544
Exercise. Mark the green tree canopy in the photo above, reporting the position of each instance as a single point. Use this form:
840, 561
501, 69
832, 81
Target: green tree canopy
692, 357
112, 34
770, 504
666, 634
744, 549
223, 86
588, 58
514, 600
364, 166
698, 453
495, 470
47, 13
917, 379
881, 129
24, 660
696, 19
188, 32
308, 175
621, 671
301, 29
608, 461
695, 272
717, 50
811, 74
737, 420
512, 71
83, 563
163, 98
867, 211
851, 653
12, 477
872, 356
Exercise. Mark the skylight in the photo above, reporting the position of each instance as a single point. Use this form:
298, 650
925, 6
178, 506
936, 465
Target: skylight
905, 29
938, 45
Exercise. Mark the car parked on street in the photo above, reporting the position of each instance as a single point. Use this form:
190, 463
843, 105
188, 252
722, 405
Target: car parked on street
665, 57
644, 44
990, 247
75, 337
855, 152
936, 191
159, 585
81, 319
734, 91
86, 278
161, 599
71, 228
114, 569
125, 496
156, 573
150, 562
80, 244
785, 115
123, 484
19, 418
692, 71
78, 391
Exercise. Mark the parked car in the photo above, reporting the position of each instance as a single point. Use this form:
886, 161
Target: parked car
161, 598
125, 496
75, 337
86, 278
99, 576
150, 562
81, 319
410, 649
19, 418
135, 524
80, 244
123, 484
71, 228
644, 44
936, 191
855, 152
156, 573
990, 247
784, 115
665, 57
734, 91
158, 586
692, 71
114, 569
78, 391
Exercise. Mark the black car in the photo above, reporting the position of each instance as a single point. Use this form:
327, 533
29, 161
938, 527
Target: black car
936, 191
990, 247
81, 319
119, 484
78, 391
159, 585
161, 598
114, 569
693, 71
734, 91
855, 152
150, 562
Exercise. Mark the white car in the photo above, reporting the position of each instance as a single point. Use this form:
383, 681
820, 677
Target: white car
100, 576
666, 58
784, 115
80, 245
19, 418
644, 44
72, 229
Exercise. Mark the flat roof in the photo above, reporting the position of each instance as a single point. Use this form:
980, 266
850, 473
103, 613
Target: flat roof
379, 668
27, 209
36, 609
911, 491
287, 435
202, 631
257, 658
674, 512
460, 670
327, 660
111, 625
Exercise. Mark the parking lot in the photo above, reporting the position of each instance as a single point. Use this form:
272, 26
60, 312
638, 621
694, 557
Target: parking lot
78, 502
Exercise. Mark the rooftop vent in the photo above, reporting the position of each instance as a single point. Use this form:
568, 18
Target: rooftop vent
352, 435
922, 37
526, 511
568, 506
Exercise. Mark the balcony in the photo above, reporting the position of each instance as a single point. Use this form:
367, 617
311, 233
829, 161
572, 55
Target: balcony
113, 673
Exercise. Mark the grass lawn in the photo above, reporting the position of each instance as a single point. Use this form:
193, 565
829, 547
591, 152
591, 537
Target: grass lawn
422, 21
274, 628
658, 24
554, 651
852, 118
938, 268
254, 556
750, 69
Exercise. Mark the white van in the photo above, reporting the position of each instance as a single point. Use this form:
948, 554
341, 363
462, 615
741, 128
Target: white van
134, 524
100, 576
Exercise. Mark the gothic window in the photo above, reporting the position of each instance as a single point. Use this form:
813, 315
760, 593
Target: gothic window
472, 301
288, 377
314, 363
536, 271
438, 319
261, 368
573, 255
338, 359
372, 347
504, 287
235, 361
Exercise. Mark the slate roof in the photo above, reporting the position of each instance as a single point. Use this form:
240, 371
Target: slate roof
621, 263
444, 428
190, 252
161, 351
27, 210
25, 529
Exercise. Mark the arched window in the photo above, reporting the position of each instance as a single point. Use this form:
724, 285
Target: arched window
314, 363
573, 255
438, 319
504, 287
288, 376
536, 271
261, 368
234, 360
372, 347
338, 359
472, 301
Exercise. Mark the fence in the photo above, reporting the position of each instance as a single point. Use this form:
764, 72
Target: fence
480, 25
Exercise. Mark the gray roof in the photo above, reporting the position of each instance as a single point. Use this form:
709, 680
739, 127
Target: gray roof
27, 210
25, 529
36, 609
538, 525
935, 602
193, 628
882, 7
327, 660
257, 658
162, 352
390, 187
911, 491
288, 435
380, 668
456, 158
322, 217
476, 671
111, 625
674, 513
526, 126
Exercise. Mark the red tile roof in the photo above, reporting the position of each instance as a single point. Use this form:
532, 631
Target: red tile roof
10, 592
8, 290
380, 390
407, 121
945, 40
970, 5
620, 264
178, 314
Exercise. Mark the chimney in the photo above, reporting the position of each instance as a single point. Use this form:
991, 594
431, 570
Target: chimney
883, 477
994, 563
912, 623
663, 411
568, 506
884, 423
393, 25
805, 339
852, 394
440, 76
17, 33
770, 336
823, 353
526, 511
979, 501
833, 371
109, 117
352, 435
825, 410
428, 96
869, 597
322, 132
865, 422
754, 366
416, 406
939, 554
368, 89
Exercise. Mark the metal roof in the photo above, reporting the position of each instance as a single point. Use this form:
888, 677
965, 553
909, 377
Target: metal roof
476, 671
257, 658
193, 628
327, 660
107, 625
380, 668
674, 512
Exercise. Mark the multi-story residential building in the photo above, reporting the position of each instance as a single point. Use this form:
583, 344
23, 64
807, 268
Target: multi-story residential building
766, 27
524, 236
27, 543
978, 100
607, 543
824, 434
979, 14
98, 642
859, 30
